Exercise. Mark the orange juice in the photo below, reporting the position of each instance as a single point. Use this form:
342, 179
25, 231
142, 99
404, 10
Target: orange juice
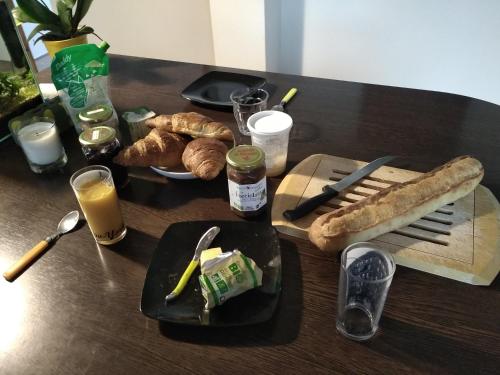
97, 196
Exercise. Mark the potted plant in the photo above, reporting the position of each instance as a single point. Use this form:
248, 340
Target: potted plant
57, 30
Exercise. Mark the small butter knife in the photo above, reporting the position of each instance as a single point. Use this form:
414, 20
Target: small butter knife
203, 244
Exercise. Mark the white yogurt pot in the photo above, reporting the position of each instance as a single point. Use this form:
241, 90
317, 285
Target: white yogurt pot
270, 131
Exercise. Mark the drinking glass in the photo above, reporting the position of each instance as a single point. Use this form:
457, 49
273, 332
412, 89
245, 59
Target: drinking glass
246, 102
365, 277
39, 139
96, 194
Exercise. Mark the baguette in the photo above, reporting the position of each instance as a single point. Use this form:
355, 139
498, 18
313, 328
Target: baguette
396, 206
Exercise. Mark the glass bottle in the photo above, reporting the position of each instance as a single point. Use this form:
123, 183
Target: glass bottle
100, 145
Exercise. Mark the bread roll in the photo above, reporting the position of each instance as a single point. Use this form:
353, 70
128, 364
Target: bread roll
193, 124
396, 206
205, 157
159, 148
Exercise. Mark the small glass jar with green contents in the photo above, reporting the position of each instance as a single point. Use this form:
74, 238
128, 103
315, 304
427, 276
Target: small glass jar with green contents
246, 175
99, 115
100, 145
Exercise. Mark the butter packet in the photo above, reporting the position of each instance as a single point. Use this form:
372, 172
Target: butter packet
226, 276
135, 119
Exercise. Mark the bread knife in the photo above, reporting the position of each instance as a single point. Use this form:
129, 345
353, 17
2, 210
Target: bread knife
203, 244
331, 191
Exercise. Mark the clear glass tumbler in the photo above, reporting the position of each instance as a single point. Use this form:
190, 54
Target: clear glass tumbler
246, 102
365, 277
96, 193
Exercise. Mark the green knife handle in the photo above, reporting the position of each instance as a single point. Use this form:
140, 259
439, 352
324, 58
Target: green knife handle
185, 277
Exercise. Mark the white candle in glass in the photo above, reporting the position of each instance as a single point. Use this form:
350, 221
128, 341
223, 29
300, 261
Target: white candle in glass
40, 143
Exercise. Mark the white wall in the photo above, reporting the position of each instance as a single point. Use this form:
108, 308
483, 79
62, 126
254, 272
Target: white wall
451, 46
164, 29
239, 34
4, 53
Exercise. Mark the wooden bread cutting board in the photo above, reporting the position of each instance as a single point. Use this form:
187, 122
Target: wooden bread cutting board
460, 241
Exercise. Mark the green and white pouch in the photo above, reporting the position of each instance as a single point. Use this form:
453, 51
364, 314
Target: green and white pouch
80, 74
226, 276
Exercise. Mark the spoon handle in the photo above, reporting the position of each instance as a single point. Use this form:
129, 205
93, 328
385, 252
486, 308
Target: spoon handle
289, 95
25, 260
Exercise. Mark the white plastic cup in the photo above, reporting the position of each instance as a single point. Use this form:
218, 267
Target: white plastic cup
270, 130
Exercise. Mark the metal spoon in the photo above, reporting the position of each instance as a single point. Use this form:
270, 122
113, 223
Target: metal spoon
67, 223
289, 95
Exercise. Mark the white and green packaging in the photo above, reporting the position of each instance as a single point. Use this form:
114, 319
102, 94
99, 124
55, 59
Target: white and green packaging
226, 276
80, 74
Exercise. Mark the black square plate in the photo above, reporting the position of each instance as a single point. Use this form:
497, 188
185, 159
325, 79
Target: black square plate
215, 87
258, 241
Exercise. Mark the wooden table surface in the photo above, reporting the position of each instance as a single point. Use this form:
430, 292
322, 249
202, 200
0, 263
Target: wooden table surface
76, 310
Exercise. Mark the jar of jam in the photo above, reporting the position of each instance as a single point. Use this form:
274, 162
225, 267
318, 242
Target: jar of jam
246, 175
100, 145
99, 115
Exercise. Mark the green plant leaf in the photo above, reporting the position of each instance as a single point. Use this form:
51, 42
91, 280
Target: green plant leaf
21, 17
38, 11
52, 31
36, 30
84, 30
69, 3
51, 36
65, 16
82, 7
39, 38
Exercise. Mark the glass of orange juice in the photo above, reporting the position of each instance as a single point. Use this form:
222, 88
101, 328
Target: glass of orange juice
96, 193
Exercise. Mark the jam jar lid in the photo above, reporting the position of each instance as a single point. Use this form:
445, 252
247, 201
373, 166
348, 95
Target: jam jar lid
97, 136
96, 113
245, 157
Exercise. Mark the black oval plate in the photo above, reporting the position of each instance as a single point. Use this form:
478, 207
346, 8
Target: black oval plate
214, 88
258, 241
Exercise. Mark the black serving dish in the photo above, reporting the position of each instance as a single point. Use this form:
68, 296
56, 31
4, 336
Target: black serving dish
214, 88
258, 241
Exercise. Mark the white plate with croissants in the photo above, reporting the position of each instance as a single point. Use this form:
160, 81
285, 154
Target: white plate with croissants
181, 146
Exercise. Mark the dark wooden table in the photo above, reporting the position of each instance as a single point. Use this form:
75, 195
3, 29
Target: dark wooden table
76, 310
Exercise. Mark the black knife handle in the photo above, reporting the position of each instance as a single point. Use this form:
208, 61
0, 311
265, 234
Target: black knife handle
309, 205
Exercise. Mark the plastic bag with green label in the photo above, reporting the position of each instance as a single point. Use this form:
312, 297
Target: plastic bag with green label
228, 275
80, 74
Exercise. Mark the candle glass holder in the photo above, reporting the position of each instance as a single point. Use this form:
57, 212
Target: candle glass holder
42, 145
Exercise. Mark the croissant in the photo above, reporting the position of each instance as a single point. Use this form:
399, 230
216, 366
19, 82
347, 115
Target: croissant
205, 157
158, 148
193, 124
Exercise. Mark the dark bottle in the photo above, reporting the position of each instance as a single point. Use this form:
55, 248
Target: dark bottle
100, 145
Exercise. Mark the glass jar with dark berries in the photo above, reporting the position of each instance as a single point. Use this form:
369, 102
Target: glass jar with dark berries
100, 145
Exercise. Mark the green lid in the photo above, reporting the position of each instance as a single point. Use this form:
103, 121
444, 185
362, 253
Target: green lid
245, 157
96, 113
103, 45
94, 137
